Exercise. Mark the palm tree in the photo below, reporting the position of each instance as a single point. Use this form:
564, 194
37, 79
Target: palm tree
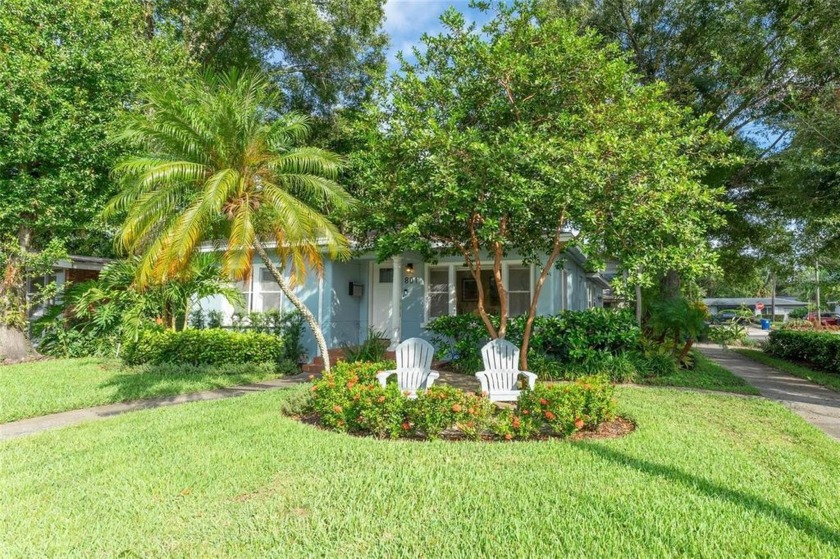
220, 165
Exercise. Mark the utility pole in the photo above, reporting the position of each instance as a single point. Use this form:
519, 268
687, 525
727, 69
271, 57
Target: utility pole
773, 298
818, 291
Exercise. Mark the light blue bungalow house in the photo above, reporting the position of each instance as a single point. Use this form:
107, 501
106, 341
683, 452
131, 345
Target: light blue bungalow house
399, 296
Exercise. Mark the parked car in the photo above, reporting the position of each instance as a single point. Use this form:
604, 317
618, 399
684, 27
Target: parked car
729, 315
825, 318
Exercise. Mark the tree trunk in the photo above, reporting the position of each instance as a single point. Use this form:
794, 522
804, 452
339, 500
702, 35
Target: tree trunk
15, 345
670, 285
500, 287
532, 310
304, 310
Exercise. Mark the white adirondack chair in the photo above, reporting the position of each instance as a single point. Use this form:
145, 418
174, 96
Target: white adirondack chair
501, 371
414, 366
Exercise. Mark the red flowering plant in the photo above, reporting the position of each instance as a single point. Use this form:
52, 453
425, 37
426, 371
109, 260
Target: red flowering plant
345, 397
442, 407
563, 409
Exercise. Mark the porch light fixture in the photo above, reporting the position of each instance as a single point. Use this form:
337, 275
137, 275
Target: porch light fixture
409, 268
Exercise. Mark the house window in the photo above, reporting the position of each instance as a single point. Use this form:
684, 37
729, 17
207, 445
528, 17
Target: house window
438, 290
386, 275
270, 295
244, 288
519, 290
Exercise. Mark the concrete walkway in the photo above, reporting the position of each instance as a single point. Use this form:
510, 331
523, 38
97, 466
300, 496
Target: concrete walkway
74, 417
819, 406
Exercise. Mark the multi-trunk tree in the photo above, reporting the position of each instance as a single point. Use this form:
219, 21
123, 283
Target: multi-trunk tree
529, 137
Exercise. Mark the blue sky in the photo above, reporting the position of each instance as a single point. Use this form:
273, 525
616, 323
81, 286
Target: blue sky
407, 20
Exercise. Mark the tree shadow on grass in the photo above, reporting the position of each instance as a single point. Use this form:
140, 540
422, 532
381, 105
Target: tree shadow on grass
823, 532
130, 385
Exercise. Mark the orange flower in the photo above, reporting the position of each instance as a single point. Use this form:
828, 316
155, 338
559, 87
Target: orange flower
578, 423
516, 423
315, 388
543, 401
350, 385
406, 425
471, 411
337, 408
456, 408
380, 399
508, 436
526, 412
549, 416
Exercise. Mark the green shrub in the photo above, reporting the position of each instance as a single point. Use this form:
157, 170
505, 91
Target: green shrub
563, 409
373, 349
349, 398
204, 347
727, 333
821, 349
574, 337
442, 407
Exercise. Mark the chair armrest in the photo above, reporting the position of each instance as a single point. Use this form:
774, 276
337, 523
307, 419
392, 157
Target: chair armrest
532, 378
431, 378
382, 377
482, 378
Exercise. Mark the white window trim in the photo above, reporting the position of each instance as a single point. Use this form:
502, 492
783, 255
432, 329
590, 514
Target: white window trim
453, 294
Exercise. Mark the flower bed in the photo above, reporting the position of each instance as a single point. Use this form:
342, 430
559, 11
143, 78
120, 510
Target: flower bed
349, 399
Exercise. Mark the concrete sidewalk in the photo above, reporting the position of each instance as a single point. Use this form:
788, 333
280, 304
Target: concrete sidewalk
74, 417
819, 406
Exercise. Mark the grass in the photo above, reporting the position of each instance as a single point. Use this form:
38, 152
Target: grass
828, 380
50, 386
704, 475
706, 375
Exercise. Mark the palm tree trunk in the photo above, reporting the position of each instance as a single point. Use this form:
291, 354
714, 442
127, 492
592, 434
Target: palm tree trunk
304, 310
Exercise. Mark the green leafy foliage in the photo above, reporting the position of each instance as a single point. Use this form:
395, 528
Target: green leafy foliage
19, 267
727, 333
93, 317
373, 349
70, 69
443, 407
677, 322
530, 135
205, 347
821, 349
349, 398
568, 345
563, 409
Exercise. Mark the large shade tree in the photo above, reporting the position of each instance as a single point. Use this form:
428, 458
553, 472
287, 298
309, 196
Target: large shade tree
215, 164
68, 69
761, 69
528, 137
320, 52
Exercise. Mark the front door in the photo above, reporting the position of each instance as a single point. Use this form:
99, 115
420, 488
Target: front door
383, 283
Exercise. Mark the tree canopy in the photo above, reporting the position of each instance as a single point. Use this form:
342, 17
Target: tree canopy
528, 137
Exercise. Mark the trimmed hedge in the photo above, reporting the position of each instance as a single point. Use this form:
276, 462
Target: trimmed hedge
821, 349
204, 347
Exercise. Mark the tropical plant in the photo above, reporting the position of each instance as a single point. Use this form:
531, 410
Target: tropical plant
373, 349
678, 323
94, 316
219, 165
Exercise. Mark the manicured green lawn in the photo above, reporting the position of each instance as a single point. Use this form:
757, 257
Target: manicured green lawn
42, 387
706, 375
828, 380
705, 475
